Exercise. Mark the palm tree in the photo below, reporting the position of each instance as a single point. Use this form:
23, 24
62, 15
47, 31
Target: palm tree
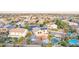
28, 37
61, 24
19, 41
50, 37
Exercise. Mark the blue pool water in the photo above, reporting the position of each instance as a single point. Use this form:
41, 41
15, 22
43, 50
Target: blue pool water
55, 40
73, 41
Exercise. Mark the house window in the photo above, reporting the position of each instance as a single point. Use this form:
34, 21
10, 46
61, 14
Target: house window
39, 32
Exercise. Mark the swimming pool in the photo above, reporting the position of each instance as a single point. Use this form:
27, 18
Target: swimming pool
73, 42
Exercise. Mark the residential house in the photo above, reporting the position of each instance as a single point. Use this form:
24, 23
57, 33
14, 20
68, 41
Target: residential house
41, 21
33, 19
3, 32
18, 32
26, 20
41, 34
73, 24
3, 20
60, 33
51, 26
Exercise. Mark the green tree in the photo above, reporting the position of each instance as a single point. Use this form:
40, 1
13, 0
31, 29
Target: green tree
63, 43
19, 41
41, 25
28, 41
50, 36
27, 27
61, 24
29, 34
28, 37
77, 37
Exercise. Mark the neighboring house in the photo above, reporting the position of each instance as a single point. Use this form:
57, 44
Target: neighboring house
3, 30
52, 26
26, 20
41, 21
73, 24
41, 34
59, 33
3, 33
18, 32
32, 21
4, 20
16, 19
